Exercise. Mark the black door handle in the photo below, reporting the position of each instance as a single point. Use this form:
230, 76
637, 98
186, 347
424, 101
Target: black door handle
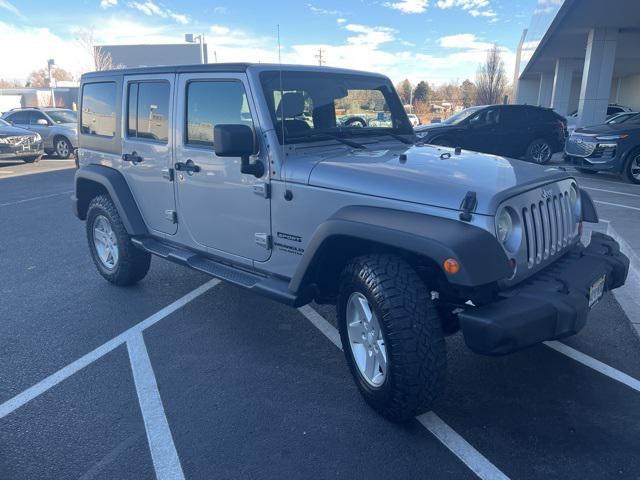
132, 157
187, 166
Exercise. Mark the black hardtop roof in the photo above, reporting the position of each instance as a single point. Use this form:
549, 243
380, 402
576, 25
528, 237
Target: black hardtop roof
218, 68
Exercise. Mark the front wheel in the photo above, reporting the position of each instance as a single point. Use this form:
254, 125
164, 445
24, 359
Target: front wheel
391, 336
115, 257
539, 151
633, 168
63, 148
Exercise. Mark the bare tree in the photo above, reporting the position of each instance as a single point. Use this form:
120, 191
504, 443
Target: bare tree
40, 78
491, 80
10, 83
101, 59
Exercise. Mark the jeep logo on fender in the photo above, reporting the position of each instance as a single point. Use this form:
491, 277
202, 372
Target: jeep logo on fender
547, 193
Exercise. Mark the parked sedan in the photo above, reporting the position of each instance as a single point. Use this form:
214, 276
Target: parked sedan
58, 127
19, 144
610, 147
510, 130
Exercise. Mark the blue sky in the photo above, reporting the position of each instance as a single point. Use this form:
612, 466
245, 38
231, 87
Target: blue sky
435, 40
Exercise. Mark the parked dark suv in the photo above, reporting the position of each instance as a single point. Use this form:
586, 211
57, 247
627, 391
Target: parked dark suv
610, 147
515, 131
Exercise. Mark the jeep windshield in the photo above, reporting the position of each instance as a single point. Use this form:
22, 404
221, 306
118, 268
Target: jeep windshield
311, 106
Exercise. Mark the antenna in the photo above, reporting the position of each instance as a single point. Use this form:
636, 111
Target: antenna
287, 193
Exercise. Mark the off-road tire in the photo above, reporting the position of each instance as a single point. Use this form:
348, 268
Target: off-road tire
133, 263
412, 332
30, 159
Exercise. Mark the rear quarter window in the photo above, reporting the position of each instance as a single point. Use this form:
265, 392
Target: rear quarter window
98, 116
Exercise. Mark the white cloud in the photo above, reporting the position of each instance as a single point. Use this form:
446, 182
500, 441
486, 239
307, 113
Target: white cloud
409, 6
9, 7
322, 11
467, 41
108, 3
150, 8
475, 8
547, 6
340, 21
369, 36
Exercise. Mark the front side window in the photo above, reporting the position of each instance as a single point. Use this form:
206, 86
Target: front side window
307, 105
490, 116
98, 116
35, 116
211, 103
148, 111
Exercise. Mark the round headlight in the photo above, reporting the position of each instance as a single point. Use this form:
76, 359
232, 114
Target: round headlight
505, 226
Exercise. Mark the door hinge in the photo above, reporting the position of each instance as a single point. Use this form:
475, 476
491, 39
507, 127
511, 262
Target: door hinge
262, 189
171, 215
168, 174
264, 240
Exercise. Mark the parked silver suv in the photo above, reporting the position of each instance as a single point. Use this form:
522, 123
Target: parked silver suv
58, 127
246, 173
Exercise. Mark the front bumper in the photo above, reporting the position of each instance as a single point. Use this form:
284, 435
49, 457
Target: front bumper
10, 151
552, 304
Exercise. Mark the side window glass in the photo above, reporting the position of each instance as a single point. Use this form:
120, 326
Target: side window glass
19, 118
148, 111
98, 116
35, 116
211, 103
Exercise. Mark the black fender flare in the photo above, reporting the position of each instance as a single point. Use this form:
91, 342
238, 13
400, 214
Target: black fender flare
482, 259
589, 212
116, 186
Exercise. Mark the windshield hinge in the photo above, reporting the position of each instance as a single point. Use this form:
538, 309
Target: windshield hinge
167, 173
468, 205
262, 189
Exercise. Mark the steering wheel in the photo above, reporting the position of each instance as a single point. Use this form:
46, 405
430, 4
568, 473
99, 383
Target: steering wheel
357, 122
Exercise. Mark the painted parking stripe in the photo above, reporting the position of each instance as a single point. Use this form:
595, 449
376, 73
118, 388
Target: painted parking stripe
611, 191
462, 449
163, 451
52, 380
617, 205
594, 364
41, 197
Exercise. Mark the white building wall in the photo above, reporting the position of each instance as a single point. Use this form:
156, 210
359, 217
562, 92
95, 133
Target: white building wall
629, 94
528, 91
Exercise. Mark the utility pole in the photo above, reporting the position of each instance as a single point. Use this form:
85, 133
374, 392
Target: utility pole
320, 57
50, 64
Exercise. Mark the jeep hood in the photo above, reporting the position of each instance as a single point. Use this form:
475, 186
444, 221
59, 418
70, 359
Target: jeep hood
431, 175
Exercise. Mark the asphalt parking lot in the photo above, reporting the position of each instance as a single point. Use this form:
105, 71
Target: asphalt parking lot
184, 377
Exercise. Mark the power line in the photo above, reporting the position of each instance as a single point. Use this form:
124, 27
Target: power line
320, 56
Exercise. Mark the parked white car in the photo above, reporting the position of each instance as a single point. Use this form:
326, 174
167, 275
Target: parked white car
413, 118
612, 110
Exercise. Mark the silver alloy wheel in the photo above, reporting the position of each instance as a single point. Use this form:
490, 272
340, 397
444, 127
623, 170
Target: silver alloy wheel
634, 168
62, 148
366, 340
541, 152
105, 242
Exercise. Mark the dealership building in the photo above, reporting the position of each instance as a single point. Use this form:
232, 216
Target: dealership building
581, 55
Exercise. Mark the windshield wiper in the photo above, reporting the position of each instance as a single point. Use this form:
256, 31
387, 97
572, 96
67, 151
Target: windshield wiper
327, 135
398, 137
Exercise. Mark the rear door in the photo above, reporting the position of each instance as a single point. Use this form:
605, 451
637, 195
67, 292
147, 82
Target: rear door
147, 147
514, 132
222, 208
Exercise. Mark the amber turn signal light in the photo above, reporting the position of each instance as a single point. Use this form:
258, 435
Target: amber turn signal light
451, 266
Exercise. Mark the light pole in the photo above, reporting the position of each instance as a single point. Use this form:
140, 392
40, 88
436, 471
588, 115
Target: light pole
50, 64
191, 38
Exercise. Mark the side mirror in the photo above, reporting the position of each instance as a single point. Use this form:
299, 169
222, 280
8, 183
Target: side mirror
43, 122
237, 141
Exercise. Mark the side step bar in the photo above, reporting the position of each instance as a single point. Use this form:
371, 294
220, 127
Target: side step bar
273, 288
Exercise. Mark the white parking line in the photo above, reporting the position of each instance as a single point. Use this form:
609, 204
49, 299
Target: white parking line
462, 449
52, 380
41, 197
594, 364
617, 205
611, 191
163, 451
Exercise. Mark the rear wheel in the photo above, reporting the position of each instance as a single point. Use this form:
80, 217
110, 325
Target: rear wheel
632, 172
539, 151
115, 257
30, 159
391, 336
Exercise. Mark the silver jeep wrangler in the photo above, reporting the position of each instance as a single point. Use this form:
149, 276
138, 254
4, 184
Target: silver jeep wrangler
307, 184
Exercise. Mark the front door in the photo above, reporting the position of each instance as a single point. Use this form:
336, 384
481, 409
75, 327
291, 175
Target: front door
220, 207
147, 148
482, 130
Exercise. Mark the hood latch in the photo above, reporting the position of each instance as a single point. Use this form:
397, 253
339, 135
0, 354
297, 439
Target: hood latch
468, 205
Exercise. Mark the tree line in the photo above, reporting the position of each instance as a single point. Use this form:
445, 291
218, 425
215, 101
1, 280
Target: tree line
490, 87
